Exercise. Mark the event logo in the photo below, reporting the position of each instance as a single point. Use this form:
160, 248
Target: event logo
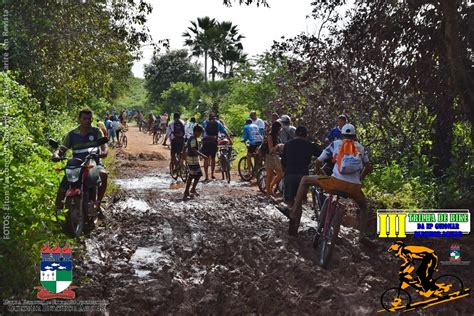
455, 257
56, 274
418, 288
423, 223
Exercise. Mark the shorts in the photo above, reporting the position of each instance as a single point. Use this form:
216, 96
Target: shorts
194, 167
177, 146
273, 162
253, 148
111, 133
292, 182
65, 184
353, 190
209, 148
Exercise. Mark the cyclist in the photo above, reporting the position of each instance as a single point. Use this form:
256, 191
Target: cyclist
192, 159
164, 124
212, 128
429, 264
81, 140
351, 166
258, 121
251, 134
287, 131
296, 157
335, 133
175, 133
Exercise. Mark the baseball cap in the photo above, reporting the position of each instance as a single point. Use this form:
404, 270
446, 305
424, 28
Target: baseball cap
348, 129
285, 118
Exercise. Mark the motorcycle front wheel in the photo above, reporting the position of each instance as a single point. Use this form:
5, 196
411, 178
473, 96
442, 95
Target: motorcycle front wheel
75, 216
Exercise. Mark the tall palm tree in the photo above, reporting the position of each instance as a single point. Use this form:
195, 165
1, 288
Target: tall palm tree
230, 47
199, 38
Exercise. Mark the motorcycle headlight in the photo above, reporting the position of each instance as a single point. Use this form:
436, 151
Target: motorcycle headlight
72, 174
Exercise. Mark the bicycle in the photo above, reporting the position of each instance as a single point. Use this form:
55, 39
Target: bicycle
397, 298
226, 156
181, 170
157, 134
328, 227
248, 172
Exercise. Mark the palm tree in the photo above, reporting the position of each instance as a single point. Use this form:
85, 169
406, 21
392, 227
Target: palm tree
230, 47
199, 38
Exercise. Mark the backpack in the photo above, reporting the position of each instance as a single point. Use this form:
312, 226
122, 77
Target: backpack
178, 129
212, 128
349, 159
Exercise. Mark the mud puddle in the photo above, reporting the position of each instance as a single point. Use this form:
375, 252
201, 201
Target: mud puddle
226, 251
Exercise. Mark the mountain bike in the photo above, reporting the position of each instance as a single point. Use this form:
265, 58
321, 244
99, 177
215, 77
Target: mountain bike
397, 298
248, 172
157, 134
180, 170
226, 156
328, 227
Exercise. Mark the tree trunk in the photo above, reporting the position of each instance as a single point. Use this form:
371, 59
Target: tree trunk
462, 81
205, 66
213, 69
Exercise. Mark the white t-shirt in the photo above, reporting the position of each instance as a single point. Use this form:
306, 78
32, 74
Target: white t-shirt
260, 124
332, 150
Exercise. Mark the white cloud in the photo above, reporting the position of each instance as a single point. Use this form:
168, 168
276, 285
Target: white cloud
48, 268
55, 264
62, 268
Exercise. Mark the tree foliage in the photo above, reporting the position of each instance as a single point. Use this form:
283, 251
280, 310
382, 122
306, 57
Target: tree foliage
178, 97
166, 69
68, 51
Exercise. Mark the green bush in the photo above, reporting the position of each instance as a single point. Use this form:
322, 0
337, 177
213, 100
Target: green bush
234, 118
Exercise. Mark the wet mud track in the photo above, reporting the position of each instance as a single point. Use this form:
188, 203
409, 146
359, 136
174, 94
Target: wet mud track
225, 252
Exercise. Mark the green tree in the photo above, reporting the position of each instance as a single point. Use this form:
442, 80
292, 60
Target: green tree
66, 52
164, 70
178, 97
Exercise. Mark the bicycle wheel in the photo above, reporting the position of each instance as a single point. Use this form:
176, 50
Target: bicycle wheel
245, 171
448, 284
173, 170
395, 299
261, 179
183, 171
124, 141
329, 238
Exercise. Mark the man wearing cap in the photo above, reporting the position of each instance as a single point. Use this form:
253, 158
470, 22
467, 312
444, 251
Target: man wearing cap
351, 166
287, 131
257, 121
335, 133
295, 159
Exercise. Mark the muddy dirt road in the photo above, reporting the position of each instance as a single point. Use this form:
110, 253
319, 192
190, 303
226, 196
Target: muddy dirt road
224, 252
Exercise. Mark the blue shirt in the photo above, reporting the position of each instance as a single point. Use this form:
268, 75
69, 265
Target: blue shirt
252, 134
334, 134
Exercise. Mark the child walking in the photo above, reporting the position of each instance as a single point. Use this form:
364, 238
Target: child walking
192, 160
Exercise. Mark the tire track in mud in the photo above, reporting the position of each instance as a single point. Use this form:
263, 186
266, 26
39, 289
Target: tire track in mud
225, 252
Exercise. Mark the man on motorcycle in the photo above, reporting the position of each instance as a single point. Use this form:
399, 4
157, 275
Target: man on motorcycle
81, 140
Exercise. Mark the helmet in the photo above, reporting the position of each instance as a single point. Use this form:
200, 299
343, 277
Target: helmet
396, 247
348, 129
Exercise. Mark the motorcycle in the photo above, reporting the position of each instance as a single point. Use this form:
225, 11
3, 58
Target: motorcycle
81, 197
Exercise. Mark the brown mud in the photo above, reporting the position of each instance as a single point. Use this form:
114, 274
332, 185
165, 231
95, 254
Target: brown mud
227, 251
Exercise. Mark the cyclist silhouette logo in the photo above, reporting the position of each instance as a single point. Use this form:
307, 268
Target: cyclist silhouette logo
430, 291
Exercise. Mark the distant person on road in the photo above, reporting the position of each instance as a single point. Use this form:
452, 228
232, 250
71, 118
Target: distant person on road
287, 131
140, 120
190, 128
110, 129
335, 133
192, 159
258, 121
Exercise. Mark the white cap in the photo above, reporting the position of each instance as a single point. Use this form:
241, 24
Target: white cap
285, 118
348, 129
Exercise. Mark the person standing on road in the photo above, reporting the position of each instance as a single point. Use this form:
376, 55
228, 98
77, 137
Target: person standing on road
296, 157
140, 120
192, 159
164, 124
212, 128
189, 130
272, 160
175, 133
258, 121
287, 131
